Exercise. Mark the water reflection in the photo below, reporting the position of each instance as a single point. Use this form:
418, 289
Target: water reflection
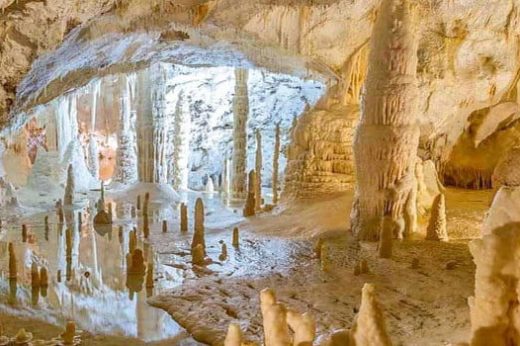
90, 280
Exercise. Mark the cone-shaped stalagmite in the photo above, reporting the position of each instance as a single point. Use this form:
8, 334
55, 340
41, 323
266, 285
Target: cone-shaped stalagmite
249, 208
68, 198
258, 170
35, 275
369, 328
24, 233
44, 277
276, 157
437, 225
387, 136
240, 114
233, 336
184, 217
198, 235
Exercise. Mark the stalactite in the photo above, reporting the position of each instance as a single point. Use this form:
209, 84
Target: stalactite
258, 170
387, 135
162, 148
240, 115
67, 120
126, 154
225, 178
276, 158
96, 88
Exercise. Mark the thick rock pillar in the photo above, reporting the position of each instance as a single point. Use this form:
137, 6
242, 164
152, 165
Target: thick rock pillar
240, 115
126, 155
145, 130
386, 142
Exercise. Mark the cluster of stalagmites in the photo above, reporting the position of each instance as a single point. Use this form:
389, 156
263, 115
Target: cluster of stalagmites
286, 327
23, 337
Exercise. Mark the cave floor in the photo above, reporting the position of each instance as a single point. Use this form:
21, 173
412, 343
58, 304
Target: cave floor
423, 306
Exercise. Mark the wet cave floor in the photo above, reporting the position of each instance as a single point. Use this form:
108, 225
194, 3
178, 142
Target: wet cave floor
425, 305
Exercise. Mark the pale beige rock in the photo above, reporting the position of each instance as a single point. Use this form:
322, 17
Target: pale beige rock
184, 217
249, 208
387, 136
240, 115
258, 171
504, 209
436, 229
369, 328
70, 188
493, 309
276, 331
233, 336
197, 255
198, 234
276, 158
303, 326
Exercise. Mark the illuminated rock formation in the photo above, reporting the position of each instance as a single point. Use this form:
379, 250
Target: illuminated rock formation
13, 271
93, 156
126, 155
276, 158
198, 231
184, 217
249, 208
258, 170
235, 241
493, 308
240, 113
437, 226
387, 136
68, 198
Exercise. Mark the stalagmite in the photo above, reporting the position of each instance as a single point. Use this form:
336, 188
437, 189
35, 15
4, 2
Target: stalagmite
437, 225
225, 178
249, 208
258, 170
68, 198
146, 226
198, 235
146, 149
240, 115
387, 135
276, 158
184, 217
494, 307
93, 156
165, 226
69, 334
44, 277
386, 237
276, 331
146, 203
137, 265
13, 271
369, 328
24, 233
138, 202
132, 241
303, 326
223, 253
210, 186
235, 240
35, 275
197, 255
149, 275
233, 336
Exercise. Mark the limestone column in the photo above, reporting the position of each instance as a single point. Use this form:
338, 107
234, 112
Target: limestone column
145, 130
240, 115
126, 155
258, 168
386, 141
276, 157
181, 143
